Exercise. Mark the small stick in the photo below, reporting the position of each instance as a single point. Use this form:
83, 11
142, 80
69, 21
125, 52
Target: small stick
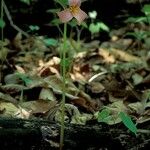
11, 21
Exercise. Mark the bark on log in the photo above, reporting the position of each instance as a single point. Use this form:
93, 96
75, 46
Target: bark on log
19, 134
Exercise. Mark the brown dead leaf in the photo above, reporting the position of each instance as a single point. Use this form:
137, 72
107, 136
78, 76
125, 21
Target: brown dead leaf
107, 56
39, 106
49, 68
111, 55
80, 72
20, 69
47, 94
7, 98
84, 101
55, 83
22, 113
96, 87
9, 109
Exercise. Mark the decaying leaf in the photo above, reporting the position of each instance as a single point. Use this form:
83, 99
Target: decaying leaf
47, 94
22, 113
111, 55
12, 88
73, 115
9, 109
39, 106
7, 98
3, 53
55, 83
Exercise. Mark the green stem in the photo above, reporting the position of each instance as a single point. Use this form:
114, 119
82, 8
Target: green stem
64, 88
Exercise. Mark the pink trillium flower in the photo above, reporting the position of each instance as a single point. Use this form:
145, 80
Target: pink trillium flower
73, 11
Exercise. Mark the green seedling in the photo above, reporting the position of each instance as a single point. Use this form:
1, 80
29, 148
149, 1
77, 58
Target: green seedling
96, 26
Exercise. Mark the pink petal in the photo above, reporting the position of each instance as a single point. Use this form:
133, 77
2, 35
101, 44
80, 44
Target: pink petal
65, 15
80, 16
74, 3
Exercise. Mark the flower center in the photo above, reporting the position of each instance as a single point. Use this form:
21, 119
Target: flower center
74, 9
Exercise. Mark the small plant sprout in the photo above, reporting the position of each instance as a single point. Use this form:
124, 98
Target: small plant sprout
65, 16
73, 11
96, 26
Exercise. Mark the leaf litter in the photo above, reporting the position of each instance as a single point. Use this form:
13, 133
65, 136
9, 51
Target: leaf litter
104, 81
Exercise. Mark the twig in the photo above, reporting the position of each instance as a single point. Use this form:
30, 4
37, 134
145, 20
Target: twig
11, 21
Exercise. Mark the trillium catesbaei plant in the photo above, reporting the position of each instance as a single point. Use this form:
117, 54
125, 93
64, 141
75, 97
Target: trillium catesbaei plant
65, 16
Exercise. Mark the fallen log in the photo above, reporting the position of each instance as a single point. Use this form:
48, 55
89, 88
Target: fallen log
21, 134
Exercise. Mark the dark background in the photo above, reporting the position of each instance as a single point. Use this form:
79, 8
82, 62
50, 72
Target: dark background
111, 12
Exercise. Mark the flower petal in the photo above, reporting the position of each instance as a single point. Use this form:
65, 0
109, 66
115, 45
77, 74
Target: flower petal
80, 16
74, 2
65, 15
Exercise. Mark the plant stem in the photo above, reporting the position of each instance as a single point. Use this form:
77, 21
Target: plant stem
64, 87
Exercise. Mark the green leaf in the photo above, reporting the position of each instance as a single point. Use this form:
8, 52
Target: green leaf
2, 23
104, 115
137, 78
73, 23
104, 27
50, 42
34, 27
53, 10
24, 78
94, 28
146, 9
55, 22
83, 24
136, 19
128, 122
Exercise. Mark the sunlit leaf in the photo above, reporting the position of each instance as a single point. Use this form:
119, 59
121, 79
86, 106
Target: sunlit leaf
128, 122
47, 94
